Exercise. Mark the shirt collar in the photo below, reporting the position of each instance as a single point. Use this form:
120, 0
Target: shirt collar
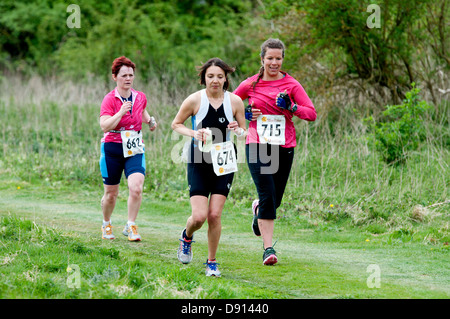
134, 94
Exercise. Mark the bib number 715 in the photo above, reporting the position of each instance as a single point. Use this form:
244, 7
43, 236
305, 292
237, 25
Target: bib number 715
271, 129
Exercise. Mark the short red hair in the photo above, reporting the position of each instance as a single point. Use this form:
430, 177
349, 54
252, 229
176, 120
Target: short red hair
120, 62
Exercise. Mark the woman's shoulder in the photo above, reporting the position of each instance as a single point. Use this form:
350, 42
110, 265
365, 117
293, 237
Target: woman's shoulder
193, 98
234, 98
250, 79
139, 93
291, 79
109, 97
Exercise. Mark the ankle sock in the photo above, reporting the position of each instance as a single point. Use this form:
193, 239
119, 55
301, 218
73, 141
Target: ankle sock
185, 236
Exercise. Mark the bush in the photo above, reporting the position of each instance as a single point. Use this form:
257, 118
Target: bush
400, 130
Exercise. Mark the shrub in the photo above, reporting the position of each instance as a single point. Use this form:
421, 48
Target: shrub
400, 130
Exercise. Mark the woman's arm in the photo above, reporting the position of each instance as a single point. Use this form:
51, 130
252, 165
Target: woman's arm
238, 126
305, 108
108, 122
188, 108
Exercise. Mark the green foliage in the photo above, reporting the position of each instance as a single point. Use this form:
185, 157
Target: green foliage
401, 128
337, 35
166, 38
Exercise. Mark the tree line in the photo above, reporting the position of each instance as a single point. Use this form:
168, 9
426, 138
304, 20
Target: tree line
330, 43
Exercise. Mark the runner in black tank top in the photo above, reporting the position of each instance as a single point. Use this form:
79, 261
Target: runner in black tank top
209, 187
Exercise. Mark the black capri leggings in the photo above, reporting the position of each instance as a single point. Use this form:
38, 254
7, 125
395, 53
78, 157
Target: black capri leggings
270, 166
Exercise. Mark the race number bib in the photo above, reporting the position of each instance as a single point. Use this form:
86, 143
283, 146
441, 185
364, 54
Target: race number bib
223, 156
271, 129
132, 143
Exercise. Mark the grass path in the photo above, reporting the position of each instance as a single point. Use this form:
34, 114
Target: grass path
312, 264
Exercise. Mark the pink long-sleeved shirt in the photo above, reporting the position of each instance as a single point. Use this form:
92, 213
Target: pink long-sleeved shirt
263, 96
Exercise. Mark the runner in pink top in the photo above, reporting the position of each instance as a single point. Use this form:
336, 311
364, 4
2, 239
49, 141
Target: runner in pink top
132, 120
274, 98
263, 97
122, 113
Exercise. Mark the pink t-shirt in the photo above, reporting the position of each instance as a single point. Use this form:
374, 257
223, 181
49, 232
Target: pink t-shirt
263, 97
111, 105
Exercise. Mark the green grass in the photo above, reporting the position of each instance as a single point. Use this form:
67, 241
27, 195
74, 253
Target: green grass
344, 209
41, 237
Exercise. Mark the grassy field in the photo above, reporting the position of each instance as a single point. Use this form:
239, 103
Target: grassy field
44, 232
350, 225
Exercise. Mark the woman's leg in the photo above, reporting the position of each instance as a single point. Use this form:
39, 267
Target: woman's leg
199, 205
216, 205
108, 201
135, 188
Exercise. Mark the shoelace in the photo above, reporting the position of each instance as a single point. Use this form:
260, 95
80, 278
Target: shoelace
276, 241
186, 245
134, 229
108, 230
212, 265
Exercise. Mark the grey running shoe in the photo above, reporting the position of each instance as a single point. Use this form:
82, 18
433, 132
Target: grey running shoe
184, 252
107, 232
131, 232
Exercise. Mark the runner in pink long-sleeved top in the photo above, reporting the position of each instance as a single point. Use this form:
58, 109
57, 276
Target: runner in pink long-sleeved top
274, 98
263, 97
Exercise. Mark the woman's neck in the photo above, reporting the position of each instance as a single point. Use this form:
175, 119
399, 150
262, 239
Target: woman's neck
124, 92
215, 95
267, 77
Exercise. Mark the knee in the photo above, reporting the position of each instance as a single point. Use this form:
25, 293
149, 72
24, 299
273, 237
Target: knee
197, 221
135, 190
110, 195
214, 216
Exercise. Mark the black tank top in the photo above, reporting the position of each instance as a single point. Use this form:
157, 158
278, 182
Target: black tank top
217, 122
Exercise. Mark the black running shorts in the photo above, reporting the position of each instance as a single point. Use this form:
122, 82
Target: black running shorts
203, 181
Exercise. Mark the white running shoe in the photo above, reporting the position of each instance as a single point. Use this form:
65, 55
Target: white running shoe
131, 232
211, 269
107, 232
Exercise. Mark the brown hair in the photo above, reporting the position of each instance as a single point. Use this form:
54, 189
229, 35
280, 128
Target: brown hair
120, 62
216, 62
268, 44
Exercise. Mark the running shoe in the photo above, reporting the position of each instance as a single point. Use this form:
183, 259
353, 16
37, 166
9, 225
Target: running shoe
211, 269
131, 232
107, 232
184, 252
255, 226
269, 256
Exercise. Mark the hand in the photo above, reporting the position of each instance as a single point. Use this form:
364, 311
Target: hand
126, 107
284, 101
252, 114
152, 124
234, 126
248, 113
201, 134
